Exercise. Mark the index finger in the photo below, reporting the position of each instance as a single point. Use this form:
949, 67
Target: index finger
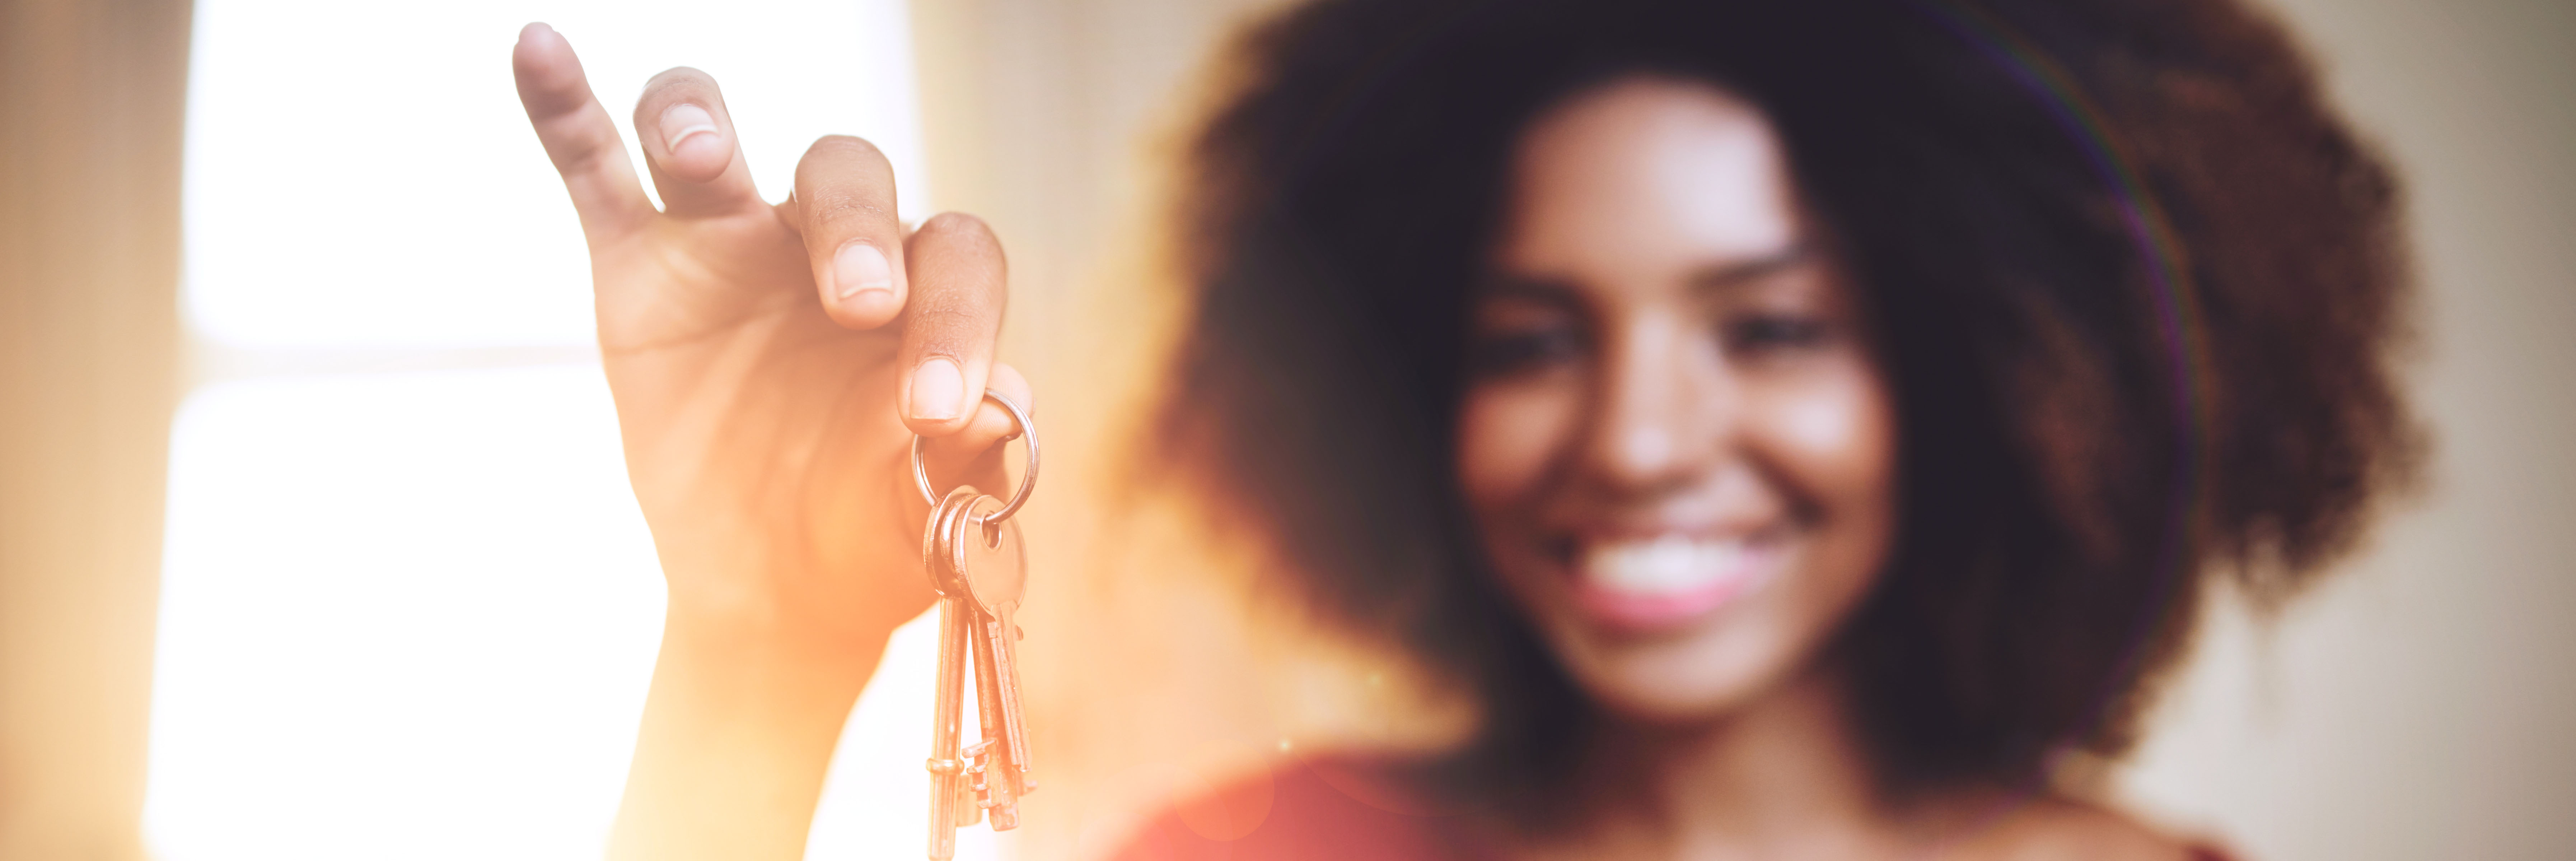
578, 134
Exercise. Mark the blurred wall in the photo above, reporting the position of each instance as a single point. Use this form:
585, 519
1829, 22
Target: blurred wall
91, 98
2420, 705
2423, 704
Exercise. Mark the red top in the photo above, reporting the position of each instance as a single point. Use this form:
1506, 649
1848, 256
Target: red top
1304, 810
1322, 811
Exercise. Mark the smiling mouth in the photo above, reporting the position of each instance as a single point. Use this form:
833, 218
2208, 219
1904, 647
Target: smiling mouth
1666, 580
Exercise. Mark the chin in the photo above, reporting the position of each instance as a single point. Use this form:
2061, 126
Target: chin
1687, 676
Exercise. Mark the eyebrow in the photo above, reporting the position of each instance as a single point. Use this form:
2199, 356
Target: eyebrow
1733, 274
1704, 280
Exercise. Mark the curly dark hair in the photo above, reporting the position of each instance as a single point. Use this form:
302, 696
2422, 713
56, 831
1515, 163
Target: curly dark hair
2138, 288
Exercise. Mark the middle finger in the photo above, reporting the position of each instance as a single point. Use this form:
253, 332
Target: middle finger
690, 145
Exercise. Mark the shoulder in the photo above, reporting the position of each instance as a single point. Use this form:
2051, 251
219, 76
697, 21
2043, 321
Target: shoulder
2056, 828
1342, 809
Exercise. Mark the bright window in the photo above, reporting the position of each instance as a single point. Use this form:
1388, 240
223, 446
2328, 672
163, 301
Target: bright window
409, 608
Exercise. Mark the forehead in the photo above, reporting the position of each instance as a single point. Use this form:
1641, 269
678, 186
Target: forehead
1643, 176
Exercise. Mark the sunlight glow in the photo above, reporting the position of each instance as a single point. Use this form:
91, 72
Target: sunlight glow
407, 617
361, 174
413, 614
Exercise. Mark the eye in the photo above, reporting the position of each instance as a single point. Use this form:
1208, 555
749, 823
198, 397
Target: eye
1767, 333
1525, 349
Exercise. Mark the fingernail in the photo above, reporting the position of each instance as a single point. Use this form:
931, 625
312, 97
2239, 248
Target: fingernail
937, 389
860, 266
683, 121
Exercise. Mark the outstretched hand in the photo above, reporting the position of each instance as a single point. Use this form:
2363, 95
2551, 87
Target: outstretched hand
771, 365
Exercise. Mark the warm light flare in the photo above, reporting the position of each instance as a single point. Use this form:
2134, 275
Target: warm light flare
412, 615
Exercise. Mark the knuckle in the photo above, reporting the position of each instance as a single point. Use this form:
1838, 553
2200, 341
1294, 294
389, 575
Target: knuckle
945, 329
945, 322
841, 210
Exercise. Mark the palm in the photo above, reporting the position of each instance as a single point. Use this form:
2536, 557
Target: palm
753, 418
758, 404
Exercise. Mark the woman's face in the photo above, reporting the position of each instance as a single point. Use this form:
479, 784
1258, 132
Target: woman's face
1677, 445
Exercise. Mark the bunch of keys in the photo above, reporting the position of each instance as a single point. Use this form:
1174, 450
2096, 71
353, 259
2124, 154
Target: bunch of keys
973, 555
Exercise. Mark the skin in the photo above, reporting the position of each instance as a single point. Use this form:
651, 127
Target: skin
771, 365
769, 377
1664, 351
1667, 349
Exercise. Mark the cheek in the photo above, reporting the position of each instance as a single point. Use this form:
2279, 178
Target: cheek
1842, 435
1508, 433
1833, 437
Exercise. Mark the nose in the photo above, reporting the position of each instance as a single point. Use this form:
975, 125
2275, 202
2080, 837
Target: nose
1663, 408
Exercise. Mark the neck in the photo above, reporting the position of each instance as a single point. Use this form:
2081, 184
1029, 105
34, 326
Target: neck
1784, 776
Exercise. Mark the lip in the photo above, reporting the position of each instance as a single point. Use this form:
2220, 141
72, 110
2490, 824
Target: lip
1651, 607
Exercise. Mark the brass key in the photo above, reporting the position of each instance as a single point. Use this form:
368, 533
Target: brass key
972, 554
994, 565
989, 560
950, 801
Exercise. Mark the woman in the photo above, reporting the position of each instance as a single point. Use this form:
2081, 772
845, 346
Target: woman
1802, 425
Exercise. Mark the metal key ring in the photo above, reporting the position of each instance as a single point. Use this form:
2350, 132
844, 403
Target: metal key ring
1028, 480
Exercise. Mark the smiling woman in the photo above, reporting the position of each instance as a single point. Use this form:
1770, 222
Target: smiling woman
1800, 426
1675, 438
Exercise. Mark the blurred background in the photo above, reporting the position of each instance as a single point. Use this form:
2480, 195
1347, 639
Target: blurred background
315, 541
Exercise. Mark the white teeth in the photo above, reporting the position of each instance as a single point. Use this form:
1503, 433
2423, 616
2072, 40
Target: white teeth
1669, 563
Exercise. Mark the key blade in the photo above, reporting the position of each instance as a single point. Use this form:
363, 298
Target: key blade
1001, 788
999, 633
946, 769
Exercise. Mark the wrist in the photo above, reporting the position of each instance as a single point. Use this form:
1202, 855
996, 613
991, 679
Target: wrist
736, 736
766, 647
